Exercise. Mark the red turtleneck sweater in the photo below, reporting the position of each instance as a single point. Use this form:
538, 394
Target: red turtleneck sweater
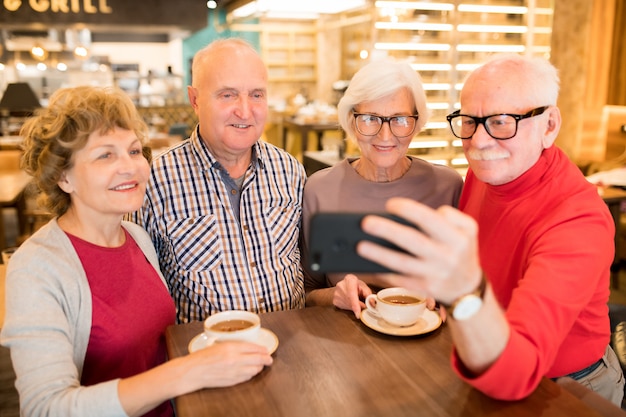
546, 246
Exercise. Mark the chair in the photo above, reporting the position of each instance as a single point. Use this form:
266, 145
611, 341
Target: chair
180, 129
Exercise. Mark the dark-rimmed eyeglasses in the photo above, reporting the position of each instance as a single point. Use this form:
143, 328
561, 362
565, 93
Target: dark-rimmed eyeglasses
499, 126
370, 124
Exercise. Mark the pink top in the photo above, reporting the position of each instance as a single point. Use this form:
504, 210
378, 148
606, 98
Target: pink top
131, 309
546, 247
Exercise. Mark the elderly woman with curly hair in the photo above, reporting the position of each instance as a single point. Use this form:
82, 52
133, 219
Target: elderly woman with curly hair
87, 306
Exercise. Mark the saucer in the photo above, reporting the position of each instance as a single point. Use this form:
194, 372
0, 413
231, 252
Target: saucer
429, 321
266, 338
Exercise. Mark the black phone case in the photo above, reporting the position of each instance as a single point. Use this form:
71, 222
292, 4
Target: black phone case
332, 243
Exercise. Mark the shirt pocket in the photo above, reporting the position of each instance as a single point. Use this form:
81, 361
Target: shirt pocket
284, 224
195, 243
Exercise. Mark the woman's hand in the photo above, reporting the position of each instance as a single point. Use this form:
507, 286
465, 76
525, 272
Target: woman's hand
431, 304
228, 363
349, 292
220, 365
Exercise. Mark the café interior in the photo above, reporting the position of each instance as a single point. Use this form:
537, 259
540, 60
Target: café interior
311, 50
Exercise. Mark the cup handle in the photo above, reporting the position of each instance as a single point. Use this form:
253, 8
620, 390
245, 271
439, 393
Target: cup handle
371, 307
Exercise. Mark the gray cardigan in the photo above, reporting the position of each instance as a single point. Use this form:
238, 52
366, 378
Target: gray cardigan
48, 322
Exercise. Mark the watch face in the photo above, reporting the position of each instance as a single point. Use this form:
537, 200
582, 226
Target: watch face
467, 307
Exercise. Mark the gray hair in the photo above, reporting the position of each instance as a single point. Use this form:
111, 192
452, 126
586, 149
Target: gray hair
379, 79
538, 76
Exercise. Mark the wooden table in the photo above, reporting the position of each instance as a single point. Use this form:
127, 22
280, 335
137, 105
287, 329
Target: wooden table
304, 128
13, 182
329, 364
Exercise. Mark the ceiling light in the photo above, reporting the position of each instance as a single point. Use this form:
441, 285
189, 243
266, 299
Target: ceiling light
401, 46
492, 28
437, 105
290, 8
81, 52
490, 48
436, 86
413, 26
415, 5
431, 67
477, 8
38, 52
211, 4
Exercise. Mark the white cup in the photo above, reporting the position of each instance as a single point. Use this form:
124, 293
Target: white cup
7, 253
233, 325
397, 306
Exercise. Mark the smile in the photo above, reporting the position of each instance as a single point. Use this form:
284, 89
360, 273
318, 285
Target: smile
124, 187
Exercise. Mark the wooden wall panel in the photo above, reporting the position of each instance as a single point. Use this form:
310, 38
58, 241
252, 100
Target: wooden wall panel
617, 83
583, 58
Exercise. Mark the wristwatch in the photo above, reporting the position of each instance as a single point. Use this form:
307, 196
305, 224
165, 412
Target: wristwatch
467, 305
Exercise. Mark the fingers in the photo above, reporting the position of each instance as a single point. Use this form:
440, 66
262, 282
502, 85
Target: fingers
363, 291
348, 294
441, 253
228, 363
240, 352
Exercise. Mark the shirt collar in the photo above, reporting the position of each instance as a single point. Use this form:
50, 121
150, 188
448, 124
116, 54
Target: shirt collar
206, 159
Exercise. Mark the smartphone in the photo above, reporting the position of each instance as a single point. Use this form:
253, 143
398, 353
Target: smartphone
333, 238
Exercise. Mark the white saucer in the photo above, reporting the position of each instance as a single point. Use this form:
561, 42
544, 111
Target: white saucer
267, 338
429, 321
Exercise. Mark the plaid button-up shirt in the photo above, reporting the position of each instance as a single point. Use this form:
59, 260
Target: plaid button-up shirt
211, 261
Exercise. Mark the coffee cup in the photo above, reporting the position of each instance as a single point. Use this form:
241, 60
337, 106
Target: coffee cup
233, 325
6, 254
397, 306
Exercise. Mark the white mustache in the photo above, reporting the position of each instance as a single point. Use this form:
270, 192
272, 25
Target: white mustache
487, 154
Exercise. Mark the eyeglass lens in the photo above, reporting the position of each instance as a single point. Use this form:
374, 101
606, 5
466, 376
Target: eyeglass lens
500, 126
370, 125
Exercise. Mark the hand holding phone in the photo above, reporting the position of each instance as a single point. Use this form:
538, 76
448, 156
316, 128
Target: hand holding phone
333, 238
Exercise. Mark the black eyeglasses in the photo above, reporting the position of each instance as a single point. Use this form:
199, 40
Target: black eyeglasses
499, 126
400, 126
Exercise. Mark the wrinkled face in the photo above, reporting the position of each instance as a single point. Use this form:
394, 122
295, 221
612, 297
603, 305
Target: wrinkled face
108, 176
230, 100
385, 150
498, 162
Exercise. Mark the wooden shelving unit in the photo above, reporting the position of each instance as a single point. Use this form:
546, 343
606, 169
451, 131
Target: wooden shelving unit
290, 53
444, 40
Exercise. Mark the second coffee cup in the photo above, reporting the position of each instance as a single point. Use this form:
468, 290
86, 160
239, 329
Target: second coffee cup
397, 306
